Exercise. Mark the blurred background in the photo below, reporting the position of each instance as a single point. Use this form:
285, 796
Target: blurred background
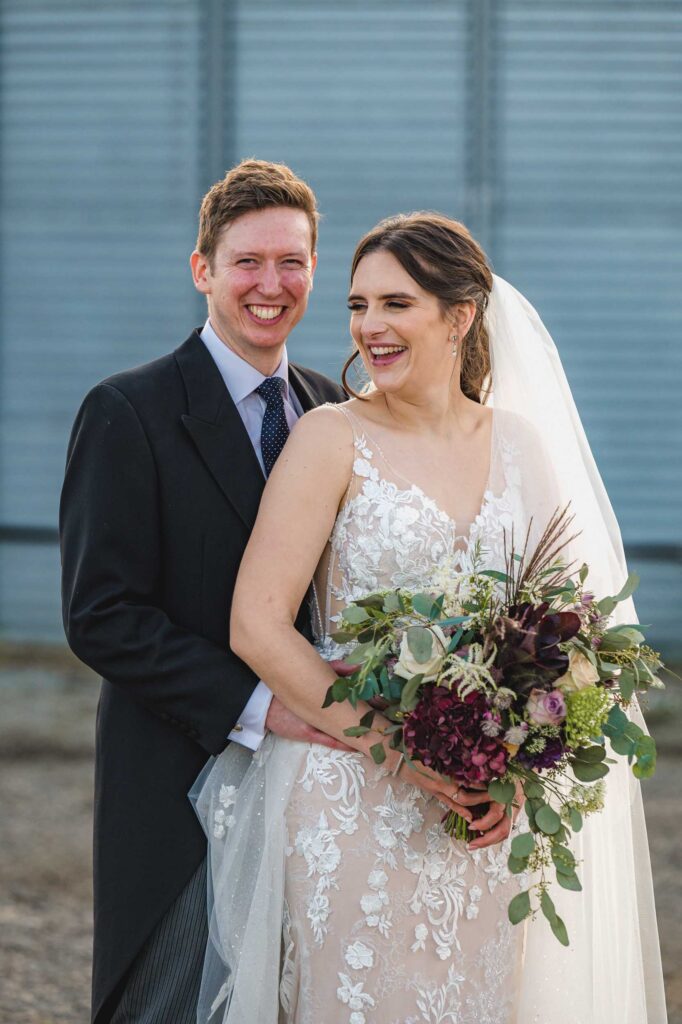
553, 130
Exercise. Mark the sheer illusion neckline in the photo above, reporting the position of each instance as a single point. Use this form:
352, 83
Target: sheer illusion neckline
371, 443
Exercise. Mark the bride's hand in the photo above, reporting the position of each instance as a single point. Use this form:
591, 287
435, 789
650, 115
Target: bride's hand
495, 825
453, 796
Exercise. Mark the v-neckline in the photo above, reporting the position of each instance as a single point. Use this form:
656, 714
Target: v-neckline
485, 500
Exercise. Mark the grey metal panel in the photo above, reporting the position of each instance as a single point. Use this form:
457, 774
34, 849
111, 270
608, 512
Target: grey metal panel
368, 102
589, 225
100, 140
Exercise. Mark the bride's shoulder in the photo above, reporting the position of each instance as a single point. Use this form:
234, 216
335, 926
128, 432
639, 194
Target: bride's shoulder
326, 430
518, 432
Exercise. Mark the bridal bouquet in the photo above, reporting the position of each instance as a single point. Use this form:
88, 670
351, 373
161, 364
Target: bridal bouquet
507, 678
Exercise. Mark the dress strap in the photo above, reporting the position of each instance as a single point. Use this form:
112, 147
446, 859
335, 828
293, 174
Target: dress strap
367, 445
364, 443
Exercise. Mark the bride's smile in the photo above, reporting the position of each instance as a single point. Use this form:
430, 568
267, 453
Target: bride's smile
402, 332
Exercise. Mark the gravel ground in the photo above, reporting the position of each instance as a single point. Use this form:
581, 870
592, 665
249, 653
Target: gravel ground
46, 728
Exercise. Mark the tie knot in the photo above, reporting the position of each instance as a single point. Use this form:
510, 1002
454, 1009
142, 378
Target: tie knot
271, 387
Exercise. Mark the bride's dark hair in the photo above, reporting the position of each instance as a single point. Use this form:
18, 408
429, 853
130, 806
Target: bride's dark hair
443, 258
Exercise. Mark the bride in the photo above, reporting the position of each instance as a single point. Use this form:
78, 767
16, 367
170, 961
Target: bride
336, 894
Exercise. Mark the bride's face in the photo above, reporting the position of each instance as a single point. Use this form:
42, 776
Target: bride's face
399, 328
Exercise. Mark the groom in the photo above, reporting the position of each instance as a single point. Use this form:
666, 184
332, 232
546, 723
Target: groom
165, 470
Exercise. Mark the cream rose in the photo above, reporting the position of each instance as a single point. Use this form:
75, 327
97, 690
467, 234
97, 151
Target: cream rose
581, 673
408, 665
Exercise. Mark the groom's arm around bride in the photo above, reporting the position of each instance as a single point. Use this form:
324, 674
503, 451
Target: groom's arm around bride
165, 470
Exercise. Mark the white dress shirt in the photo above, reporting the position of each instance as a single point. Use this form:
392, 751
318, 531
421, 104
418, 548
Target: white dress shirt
241, 380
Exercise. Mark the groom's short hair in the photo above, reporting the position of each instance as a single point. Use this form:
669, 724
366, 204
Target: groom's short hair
252, 185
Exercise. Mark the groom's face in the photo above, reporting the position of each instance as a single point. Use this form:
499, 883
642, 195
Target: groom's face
259, 282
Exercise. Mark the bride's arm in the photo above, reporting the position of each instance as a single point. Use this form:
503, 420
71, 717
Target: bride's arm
295, 520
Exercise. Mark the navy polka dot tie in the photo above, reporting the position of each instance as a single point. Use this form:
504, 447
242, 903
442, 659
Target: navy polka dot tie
275, 429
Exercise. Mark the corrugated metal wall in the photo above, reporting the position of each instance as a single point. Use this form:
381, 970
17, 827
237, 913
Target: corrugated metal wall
552, 130
100, 143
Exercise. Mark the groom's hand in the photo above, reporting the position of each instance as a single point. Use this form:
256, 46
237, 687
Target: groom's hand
285, 723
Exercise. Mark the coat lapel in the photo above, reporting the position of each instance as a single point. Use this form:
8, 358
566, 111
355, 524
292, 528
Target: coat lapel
303, 390
218, 432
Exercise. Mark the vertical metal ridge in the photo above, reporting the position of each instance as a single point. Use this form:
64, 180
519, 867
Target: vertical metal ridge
482, 183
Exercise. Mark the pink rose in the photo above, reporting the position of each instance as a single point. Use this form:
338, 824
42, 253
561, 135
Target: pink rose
546, 708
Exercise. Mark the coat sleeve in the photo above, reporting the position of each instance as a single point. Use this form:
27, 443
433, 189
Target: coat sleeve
111, 572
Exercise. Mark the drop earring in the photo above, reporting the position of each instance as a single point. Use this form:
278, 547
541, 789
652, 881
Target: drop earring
453, 339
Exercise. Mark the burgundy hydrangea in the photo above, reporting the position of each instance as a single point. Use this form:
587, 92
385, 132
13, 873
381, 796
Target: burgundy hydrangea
444, 732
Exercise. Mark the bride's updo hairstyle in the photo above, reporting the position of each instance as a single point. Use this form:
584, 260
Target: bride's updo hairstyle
443, 258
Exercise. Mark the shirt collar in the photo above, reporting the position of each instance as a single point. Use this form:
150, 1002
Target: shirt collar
241, 378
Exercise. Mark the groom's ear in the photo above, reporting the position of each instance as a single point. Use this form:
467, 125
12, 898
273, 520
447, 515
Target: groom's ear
201, 270
313, 264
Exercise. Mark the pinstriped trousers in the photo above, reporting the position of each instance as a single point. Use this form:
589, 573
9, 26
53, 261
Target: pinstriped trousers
163, 984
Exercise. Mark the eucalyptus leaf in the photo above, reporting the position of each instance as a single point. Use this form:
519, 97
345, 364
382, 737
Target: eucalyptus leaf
392, 603
533, 789
409, 694
375, 601
395, 687
576, 819
517, 865
645, 745
590, 755
354, 615
360, 653
623, 745
607, 668
378, 753
606, 605
368, 718
628, 588
616, 721
501, 792
644, 768
559, 929
523, 845
423, 604
420, 643
627, 682
342, 636
571, 882
519, 908
356, 730
633, 731
589, 772
563, 859
340, 689
547, 906
613, 640
370, 689
633, 634
547, 820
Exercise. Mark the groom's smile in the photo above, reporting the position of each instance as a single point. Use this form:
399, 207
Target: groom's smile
258, 282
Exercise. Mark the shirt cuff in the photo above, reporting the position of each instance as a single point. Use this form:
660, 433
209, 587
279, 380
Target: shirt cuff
250, 729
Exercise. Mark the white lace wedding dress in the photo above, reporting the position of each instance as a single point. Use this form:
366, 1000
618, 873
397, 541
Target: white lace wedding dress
388, 920
335, 897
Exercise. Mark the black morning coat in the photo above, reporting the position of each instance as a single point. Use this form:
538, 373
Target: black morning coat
161, 492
